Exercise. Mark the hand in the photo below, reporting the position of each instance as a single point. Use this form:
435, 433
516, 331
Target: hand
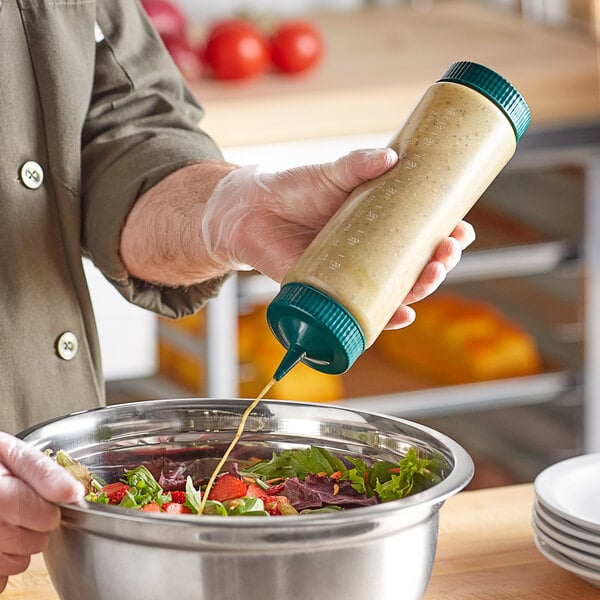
29, 483
445, 258
266, 220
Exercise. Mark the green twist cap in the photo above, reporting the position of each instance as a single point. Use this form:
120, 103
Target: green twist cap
496, 88
315, 329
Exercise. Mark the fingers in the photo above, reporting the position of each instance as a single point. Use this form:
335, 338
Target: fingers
29, 483
403, 317
358, 166
464, 233
12, 564
448, 253
18, 541
37, 471
22, 507
18, 545
431, 278
445, 258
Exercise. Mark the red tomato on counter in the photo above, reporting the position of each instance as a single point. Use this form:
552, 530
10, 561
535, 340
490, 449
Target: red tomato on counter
296, 46
236, 49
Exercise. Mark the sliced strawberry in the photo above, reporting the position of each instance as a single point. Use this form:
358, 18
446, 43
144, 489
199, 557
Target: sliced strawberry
115, 492
227, 487
175, 508
151, 507
256, 491
178, 497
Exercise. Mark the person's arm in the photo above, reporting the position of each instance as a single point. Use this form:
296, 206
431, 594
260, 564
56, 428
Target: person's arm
30, 483
162, 242
143, 124
209, 219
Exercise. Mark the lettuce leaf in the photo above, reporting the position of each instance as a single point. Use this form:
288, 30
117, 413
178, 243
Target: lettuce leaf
143, 489
383, 480
414, 475
296, 463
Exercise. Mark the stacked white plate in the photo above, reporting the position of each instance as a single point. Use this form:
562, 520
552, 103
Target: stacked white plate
566, 515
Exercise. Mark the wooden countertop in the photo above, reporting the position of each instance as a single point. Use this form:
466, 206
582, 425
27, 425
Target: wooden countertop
380, 60
485, 552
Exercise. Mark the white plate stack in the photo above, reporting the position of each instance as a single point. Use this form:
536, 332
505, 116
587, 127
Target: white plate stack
566, 515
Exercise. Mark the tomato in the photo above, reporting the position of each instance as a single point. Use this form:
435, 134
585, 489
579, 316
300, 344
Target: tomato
223, 24
166, 17
296, 46
235, 49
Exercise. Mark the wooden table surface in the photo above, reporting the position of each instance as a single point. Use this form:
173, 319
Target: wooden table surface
485, 552
380, 60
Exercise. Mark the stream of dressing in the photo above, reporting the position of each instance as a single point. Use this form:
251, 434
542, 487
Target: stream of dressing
234, 441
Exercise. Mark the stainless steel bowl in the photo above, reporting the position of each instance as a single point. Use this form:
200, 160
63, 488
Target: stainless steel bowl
381, 552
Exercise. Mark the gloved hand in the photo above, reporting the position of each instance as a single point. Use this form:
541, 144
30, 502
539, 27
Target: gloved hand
266, 220
29, 483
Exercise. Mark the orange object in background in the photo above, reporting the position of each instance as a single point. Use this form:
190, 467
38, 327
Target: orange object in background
454, 340
458, 340
259, 355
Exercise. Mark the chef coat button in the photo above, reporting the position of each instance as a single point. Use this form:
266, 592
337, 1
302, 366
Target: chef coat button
67, 345
31, 174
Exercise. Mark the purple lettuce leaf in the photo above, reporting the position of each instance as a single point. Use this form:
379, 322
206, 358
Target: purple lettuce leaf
318, 491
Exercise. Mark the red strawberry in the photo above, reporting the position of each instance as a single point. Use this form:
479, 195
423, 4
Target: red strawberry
227, 487
115, 491
178, 497
175, 508
256, 491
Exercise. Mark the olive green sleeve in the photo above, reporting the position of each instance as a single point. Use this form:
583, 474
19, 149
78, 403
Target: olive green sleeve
142, 125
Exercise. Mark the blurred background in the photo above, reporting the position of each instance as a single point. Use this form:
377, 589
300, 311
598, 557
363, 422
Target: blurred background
503, 356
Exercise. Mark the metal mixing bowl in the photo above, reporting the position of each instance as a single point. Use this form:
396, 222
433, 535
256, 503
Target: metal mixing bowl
380, 552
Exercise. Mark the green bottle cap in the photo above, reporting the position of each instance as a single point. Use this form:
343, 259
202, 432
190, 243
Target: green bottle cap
315, 329
496, 88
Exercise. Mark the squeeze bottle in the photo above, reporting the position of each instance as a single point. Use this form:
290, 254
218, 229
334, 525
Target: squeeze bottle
347, 284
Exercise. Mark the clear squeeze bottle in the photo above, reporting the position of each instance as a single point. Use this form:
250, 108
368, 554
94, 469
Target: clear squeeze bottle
346, 286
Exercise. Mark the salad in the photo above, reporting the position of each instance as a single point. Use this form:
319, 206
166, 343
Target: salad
292, 482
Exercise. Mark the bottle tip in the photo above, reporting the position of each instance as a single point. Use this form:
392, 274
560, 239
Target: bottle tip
291, 358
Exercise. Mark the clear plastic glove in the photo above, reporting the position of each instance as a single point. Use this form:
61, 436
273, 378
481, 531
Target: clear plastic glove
29, 483
266, 220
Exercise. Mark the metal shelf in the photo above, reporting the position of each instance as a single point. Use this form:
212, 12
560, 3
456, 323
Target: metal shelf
429, 402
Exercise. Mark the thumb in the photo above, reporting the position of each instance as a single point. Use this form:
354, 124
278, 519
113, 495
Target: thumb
358, 166
40, 472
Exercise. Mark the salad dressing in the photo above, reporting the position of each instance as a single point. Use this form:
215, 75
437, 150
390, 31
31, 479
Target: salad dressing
345, 287
234, 441
347, 284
